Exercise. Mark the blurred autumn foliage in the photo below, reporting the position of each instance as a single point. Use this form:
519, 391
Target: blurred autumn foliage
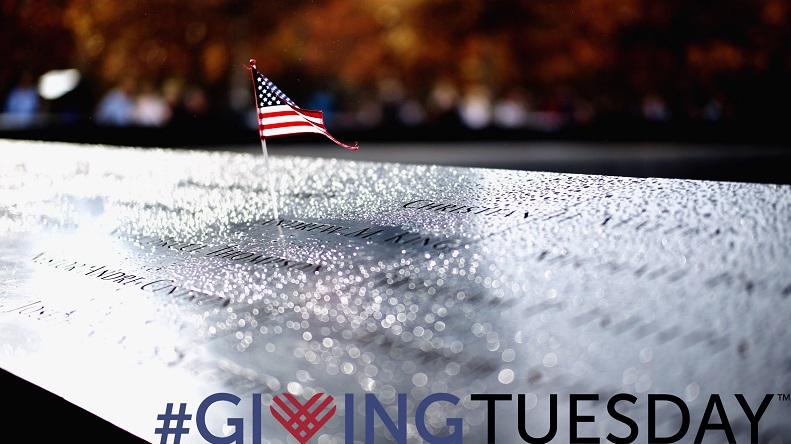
611, 54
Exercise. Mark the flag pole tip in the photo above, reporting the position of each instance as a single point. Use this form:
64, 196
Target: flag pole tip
252, 62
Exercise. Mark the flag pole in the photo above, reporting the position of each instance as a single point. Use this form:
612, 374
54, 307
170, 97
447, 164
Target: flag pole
271, 183
272, 196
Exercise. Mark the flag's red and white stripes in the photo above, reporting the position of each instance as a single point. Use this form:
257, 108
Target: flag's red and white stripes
279, 116
282, 120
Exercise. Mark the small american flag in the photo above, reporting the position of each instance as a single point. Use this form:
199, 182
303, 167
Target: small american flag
279, 116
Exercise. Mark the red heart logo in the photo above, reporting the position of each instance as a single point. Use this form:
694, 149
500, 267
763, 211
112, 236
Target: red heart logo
300, 420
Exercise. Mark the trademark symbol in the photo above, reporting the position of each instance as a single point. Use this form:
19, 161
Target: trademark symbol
783, 397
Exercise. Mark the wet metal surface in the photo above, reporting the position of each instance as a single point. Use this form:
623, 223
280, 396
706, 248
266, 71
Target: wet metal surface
131, 278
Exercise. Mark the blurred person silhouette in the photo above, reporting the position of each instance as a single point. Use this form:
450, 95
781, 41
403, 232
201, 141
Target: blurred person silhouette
584, 112
151, 108
475, 107
511, 111
368, 113
411, 113
22, 103
714, 110
655, 109
442, 104
191, 113
116, 108
196, 103
390, 93
173, 93
190, 108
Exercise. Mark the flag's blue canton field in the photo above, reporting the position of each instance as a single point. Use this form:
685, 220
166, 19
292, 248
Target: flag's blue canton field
269, 94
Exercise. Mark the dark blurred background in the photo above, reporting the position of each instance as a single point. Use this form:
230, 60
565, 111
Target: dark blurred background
630, 87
